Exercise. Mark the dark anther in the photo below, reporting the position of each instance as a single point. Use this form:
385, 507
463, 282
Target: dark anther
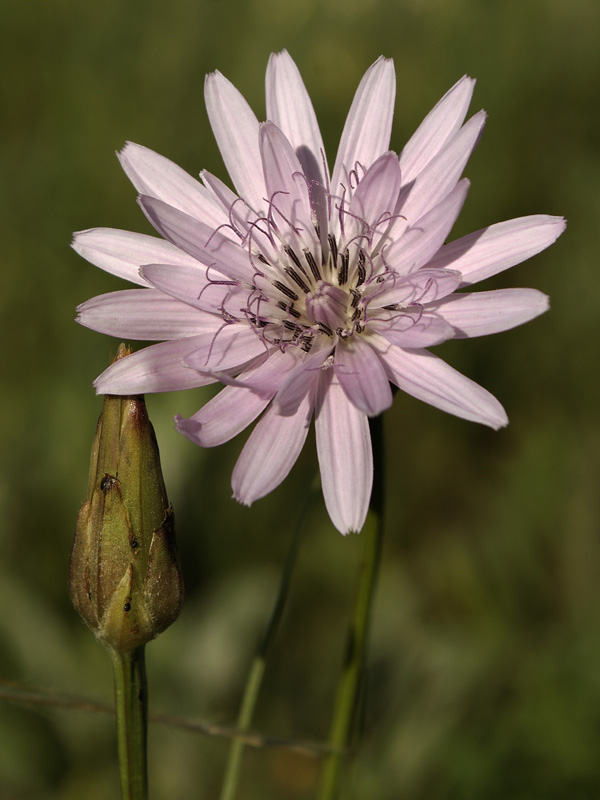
362, 272
285, 290
334, 249
343, 273
292, 255
306, 343
310, 260
297, 279
289, 308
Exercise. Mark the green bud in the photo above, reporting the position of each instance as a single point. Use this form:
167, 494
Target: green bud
124, 577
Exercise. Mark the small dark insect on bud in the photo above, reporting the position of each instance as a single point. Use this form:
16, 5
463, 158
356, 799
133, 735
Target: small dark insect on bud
124, 577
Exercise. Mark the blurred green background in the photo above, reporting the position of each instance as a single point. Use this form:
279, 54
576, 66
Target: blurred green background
484, 668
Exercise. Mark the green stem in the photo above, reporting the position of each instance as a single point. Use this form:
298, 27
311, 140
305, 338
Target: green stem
346, 701
236, 750
257, 670
131, 701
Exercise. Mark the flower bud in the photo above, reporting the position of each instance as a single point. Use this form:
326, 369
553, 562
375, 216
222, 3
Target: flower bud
124, 577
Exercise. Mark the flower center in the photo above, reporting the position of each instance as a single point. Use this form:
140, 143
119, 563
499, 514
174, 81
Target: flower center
305, 287
328, 306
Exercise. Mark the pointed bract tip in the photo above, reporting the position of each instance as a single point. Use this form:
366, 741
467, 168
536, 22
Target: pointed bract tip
122, 351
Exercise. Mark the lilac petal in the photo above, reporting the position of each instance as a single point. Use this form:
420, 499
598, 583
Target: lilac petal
122, 252
438, 127
235, 128
270, 453
192, 285
423, 239
413, 328
157, 176
481, 313
223, 417
430, 379
296, 386
290, 108
239, 213
266, 374
158, 368
500, 246
367, 131
423, 286
442, 173
345, 456
210, 247
144, 314
242, 219
375, 198
286, 184
362, 376
230, 348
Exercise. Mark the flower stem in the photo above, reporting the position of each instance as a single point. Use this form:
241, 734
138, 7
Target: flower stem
346, 701
131, 701
255, 676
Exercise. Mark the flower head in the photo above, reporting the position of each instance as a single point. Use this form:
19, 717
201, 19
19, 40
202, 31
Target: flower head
307, 293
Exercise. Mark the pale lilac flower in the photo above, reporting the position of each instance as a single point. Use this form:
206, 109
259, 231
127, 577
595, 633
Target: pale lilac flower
309, 292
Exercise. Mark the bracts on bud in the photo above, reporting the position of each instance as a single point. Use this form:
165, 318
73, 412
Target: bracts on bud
124, 576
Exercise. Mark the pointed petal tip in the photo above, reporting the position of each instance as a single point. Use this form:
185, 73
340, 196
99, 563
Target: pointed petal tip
494, 416
102, 384
76, 237
465, 80
128, 148
500, 422
346, 528
280, 54
384, 65
187, 427
125, 147
561, 225
213, 75
554, 225
266, 127
241, 500
210, 81
350, 531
